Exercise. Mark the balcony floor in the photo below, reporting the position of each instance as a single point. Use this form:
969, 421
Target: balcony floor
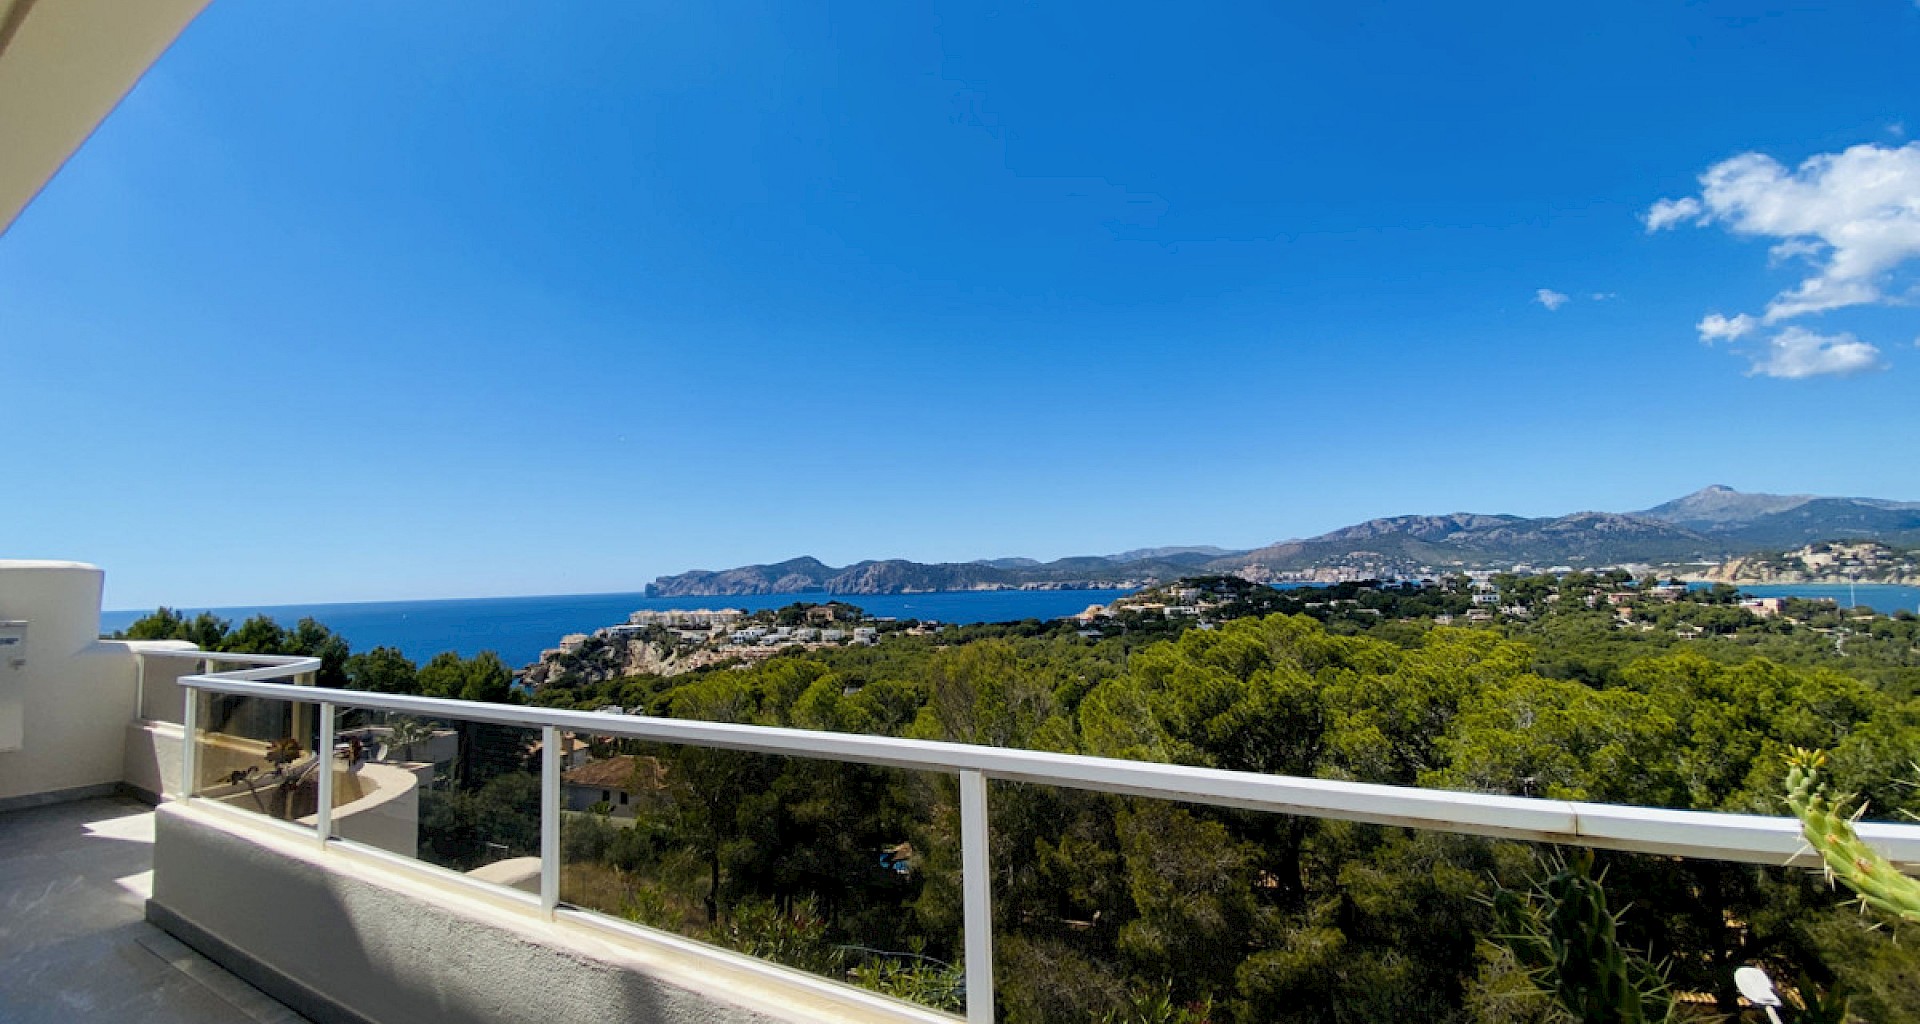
74, 943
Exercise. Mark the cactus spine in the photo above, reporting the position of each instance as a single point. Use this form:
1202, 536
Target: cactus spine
1567, 939
1828, 828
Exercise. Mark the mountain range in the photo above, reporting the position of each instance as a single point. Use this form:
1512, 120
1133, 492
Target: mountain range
1708, 525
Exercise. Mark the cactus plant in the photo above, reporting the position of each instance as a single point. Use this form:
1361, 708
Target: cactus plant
1567, 939
1827, 824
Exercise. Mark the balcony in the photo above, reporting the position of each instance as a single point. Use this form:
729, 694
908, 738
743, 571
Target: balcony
301, 841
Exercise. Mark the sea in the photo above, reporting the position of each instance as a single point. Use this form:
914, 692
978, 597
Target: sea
1885, 598
519, 628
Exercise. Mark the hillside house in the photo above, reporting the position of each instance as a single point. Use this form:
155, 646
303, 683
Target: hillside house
618, 782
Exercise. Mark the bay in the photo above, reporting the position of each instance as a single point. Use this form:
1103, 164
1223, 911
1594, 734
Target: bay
519, 628
1885, 598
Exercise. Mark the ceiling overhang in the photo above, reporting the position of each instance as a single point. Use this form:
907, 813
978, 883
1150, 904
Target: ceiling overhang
64, 65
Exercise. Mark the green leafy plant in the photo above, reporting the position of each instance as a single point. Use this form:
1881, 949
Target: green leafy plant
796, 936
1827, 824
923, 980
1154, 1004
1565, 937
648, 904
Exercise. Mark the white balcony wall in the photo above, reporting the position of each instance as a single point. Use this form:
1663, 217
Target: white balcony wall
153, 738
161, 697
65, 695
339, 935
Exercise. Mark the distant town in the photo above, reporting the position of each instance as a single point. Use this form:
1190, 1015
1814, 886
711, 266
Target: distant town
673, 641
1639, 597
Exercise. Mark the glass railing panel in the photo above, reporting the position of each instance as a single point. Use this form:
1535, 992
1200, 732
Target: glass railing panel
1127, 909
459, 795
847, 871
258, 754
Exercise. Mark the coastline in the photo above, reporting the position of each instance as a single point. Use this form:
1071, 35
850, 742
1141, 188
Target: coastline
1791, 579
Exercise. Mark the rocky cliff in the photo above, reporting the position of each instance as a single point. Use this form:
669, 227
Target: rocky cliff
1837, 562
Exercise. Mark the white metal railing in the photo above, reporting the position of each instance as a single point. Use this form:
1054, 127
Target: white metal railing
1706, 835
209, 661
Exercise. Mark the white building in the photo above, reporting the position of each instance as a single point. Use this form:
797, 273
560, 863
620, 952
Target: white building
618, 782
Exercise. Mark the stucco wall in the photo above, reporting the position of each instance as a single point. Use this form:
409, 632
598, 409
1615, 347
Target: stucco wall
151, 759
340, 938
161, 697
70, 693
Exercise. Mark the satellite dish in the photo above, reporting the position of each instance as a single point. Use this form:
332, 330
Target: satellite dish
1756, 986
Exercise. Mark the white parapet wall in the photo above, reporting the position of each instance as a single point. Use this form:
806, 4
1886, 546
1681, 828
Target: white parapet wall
154, 734
341, 935
65, 695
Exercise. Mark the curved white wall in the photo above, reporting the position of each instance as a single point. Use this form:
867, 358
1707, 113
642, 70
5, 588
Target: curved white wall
386, 814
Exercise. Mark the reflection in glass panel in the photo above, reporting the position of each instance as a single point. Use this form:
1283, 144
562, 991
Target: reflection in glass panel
257, 754
460, 795
844, 870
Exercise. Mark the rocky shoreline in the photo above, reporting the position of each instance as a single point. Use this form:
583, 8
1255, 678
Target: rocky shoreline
1828, 563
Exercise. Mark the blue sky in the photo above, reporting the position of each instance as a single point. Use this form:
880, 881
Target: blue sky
374, 300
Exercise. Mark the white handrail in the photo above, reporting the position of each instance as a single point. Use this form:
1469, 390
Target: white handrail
295, 663
1708, 835
238, 657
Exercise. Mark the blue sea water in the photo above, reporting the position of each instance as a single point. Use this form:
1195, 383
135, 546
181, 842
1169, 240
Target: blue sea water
1884, 598
519, 628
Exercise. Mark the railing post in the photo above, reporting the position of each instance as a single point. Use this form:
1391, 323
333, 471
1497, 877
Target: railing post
549, 818
139, 685
323, 751
976, 884
189, 740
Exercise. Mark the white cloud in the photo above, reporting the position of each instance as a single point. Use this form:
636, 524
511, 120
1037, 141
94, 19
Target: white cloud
1853, 215
1549, 298
1668, 212
1796, 353
1819, 294
1852, 218
1714, 327
1794, 248
1604, 296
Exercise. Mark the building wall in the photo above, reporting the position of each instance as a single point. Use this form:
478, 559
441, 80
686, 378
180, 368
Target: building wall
152, 759
65, 695
583, 798
152, 749
161, 698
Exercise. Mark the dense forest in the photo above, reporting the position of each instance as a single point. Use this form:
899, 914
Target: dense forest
1125, 909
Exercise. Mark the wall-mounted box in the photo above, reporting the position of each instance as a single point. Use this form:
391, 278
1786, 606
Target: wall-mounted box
13, 683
